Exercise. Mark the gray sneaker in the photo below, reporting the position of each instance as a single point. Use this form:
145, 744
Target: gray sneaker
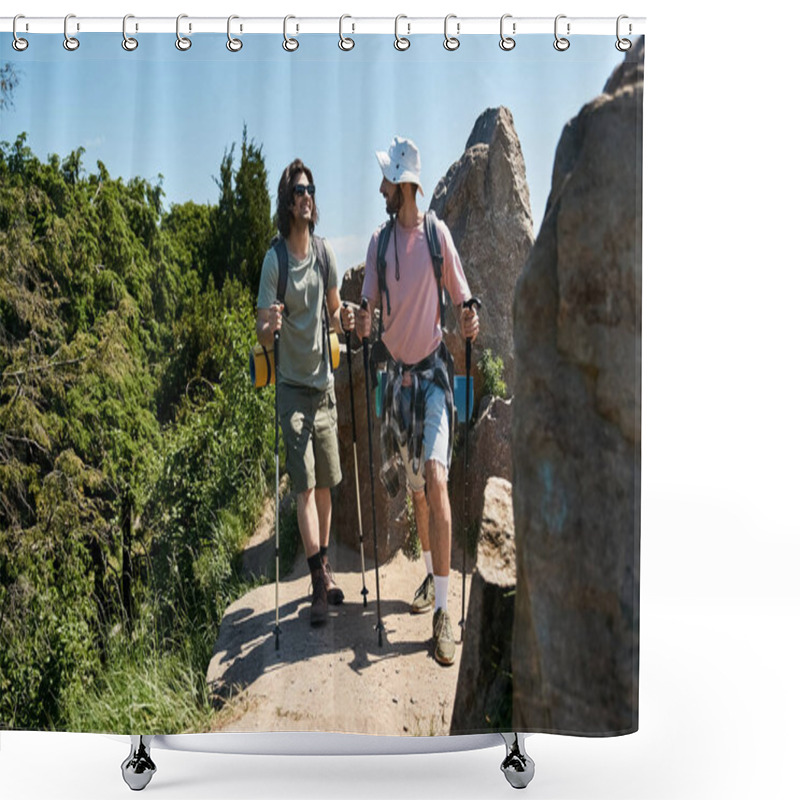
444, 644
424, 597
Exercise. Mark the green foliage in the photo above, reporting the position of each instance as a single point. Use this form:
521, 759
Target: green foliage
8, 82
127, 420
491, 370
241, 224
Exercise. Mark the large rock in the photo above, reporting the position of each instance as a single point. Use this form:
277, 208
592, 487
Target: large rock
576, 428
483, 695
489, 456
485, 202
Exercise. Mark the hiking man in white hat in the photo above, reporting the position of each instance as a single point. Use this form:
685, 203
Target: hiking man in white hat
302, 305
410, 260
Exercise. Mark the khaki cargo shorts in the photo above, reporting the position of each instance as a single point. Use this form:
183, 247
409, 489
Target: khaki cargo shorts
308, 425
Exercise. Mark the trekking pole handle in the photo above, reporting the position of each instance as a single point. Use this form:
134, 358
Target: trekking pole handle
364, 307
473, 301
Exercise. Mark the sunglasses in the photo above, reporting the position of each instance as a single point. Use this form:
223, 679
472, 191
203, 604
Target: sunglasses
301, 188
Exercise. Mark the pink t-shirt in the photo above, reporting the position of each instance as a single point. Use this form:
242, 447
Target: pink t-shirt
413, 331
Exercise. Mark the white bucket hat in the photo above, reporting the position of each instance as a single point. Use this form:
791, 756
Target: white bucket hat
401, 163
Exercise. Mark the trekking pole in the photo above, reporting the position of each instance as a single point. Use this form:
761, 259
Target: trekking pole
364, 590
277, 507
473, 301
365, 347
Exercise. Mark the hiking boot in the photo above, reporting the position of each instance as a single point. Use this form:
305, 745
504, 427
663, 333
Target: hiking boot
424, 597
319, 599
444, 644
335, 594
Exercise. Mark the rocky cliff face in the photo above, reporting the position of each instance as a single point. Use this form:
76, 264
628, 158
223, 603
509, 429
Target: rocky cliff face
483, 695
576, 428
485, 202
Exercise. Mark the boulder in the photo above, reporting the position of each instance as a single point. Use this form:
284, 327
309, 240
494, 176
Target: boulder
489, 455
485, 202
483, 694
576, 428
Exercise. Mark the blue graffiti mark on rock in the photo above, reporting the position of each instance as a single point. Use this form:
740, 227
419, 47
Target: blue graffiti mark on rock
554, 503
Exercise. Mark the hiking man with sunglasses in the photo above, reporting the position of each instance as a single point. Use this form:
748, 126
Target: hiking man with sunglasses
410, 259
303, 303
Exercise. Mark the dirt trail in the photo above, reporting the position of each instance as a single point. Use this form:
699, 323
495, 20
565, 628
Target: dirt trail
335, 677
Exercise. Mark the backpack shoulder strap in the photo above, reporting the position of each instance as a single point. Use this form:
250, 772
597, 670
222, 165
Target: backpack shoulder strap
321, 256
279, 245
435, 248
384, 236
321, 253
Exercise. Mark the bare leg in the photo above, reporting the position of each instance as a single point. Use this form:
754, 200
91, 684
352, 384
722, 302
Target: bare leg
322, 499
421, 513
308, 521
440, 517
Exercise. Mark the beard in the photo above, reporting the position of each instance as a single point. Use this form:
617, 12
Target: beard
394, 201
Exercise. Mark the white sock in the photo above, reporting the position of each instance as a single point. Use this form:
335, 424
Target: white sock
440, 587
426, 554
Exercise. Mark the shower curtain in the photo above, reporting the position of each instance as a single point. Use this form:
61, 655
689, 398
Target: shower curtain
153, 576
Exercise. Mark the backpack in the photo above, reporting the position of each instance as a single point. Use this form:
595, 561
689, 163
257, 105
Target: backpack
321, 257
435, 249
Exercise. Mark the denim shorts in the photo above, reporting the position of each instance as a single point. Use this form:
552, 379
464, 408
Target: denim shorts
436, 432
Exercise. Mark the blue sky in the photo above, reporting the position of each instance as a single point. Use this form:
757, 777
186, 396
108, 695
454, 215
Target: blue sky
159, 111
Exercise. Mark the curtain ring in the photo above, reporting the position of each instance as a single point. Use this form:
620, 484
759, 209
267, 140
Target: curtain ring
233, 44
561, 43
19, 44
622, 44
183, 43
451, 42
289, 44
400, 42
345, 42
506, 42
70, 42
128, 42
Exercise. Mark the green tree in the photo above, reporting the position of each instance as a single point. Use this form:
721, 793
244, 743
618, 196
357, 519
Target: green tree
242, 225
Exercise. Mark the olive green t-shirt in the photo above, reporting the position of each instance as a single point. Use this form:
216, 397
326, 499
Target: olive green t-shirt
301, 361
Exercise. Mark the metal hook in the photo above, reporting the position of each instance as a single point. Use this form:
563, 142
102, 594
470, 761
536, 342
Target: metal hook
19, 44
233, 44
623, 44
70, 42
289, 44
400, 42
451, 42
183, 43
128, 42
345, 42
561, 43
507, 42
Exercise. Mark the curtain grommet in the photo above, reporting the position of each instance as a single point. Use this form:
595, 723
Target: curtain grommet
451, 43
70, 42
183, 43
507, 43
129, 43
623, 45
400, 42
19, 44
289, 44
233, 44
561, 43
345, 42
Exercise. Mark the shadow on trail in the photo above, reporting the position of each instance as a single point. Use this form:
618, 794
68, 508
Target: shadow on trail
350, 632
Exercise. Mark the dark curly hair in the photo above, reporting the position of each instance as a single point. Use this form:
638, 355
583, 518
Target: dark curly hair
286, 197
